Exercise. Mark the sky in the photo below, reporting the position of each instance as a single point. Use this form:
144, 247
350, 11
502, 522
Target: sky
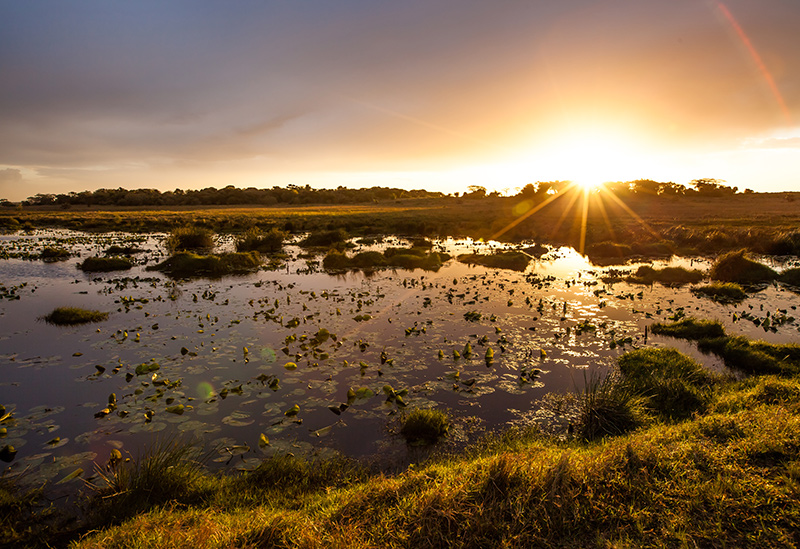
415, 94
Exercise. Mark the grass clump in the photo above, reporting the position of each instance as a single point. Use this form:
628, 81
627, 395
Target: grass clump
333, 238
105, 264
515, 261
188, 265
425, 426
754, 357
722, 292
791, 276
190, 238
411, 258
167, 472
673, 385
735, 267
123, 250
255, 240
690, 328
69, 316
608, 407
54, 254
669, 276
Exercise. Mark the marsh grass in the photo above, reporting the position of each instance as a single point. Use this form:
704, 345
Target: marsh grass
669, 276
168, 471
690, 328
425, 426
722, 292
736, 267
69, 316
190, 238
609, 407
189, 265
405, 258
515, 261
54, 254
256, 240
123, 250
105, 264
791, 276
673, 385
332, 238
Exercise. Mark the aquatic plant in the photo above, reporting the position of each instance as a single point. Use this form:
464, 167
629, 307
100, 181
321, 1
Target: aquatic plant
190, 238
754, 357
255, 240
671, 276
188, 265
736, 267
516, 261
68, 316
689, 328
722, 292
425, 426
105, 264
122, 250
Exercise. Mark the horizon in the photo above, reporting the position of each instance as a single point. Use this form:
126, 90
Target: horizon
437, 96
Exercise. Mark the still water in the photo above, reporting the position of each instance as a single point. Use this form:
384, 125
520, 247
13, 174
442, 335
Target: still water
314, 362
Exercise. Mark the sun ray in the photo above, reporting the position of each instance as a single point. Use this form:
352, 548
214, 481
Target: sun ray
529, 213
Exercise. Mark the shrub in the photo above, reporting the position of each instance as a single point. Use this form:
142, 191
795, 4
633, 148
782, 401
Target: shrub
735, 267
105, 264
190, 238
425, 426
68, 316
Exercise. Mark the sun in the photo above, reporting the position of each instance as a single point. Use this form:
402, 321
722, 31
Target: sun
589, 185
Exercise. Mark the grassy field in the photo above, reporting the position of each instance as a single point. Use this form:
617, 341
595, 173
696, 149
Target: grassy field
643, 226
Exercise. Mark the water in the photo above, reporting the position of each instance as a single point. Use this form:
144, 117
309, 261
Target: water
220, 345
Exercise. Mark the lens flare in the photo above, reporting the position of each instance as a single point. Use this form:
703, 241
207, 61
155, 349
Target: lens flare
205, 390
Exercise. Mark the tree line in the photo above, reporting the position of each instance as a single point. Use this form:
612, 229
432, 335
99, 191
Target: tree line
294, 195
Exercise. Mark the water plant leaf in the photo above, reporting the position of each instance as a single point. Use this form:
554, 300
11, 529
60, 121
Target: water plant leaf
8, 453
290, 366
147, 367
73, 475
178, 409
293, 411
323, 431
263, 441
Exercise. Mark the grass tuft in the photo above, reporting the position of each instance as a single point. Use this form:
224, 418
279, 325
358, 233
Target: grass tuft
722, 292
54, 254
105, 264
609, 407
690, 328
255, 240
69, 316
189, 265
735, 267
425, 426
190, 238
669, 276
515, 261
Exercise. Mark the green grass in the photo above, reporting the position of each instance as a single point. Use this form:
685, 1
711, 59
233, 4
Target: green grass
722, 292
425, 426
669, 276
405, 258
68, 316
689, 328
326, 238
192, 238
105, 264
609, 407
189, 265
736, 267
515, 261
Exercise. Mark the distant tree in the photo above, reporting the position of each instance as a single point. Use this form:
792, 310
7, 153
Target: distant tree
475, 191
712, 187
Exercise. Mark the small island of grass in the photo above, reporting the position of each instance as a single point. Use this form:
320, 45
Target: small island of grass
68, 316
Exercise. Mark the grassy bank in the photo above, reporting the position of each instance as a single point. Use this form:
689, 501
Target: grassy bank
707, 461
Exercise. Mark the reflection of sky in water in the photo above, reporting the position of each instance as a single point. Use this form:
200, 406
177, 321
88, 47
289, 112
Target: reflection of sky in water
57, 379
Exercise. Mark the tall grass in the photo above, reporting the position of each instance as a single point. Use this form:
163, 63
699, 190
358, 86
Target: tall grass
190, 238
255, 240
609, 407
